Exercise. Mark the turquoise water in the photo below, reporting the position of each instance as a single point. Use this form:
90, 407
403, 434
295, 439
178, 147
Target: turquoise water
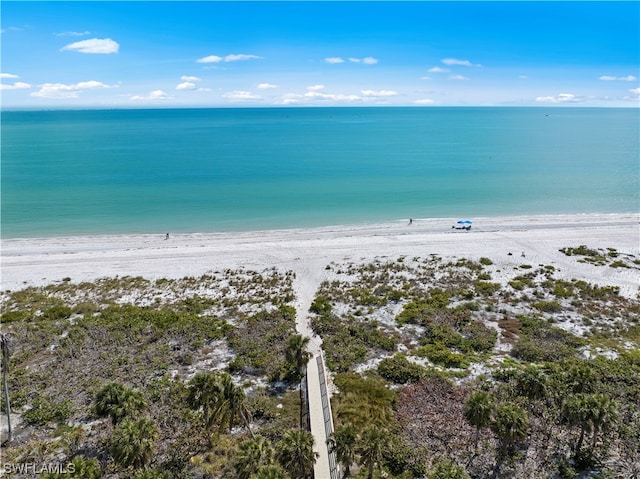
207, 170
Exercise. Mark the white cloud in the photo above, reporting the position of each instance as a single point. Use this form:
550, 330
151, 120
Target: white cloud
228, 58
189, 78
94, 45
11, 29
19, 85
561, 98
612, 78
635, 91
154, 95
83, 85
186, 86
266, 86
56, 90
378, 94
209, 59
438, 70
240, 57
61, 90
456, 62
8, 75
314, 95
241, 95
291, 98
424, 101
73, 34
457, 77
366, 60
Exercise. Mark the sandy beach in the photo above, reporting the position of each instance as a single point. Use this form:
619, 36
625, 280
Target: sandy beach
39, 261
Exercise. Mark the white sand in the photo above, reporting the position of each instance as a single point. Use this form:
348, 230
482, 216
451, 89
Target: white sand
41, 261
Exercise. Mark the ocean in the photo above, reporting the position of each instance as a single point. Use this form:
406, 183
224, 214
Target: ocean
79, 172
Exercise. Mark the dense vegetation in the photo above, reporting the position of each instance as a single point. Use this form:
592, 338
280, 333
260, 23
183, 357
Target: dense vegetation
439, 371
533, 376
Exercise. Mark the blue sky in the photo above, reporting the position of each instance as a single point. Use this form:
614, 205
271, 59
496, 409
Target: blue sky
177, 54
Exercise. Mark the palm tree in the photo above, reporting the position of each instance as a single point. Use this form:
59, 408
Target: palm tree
233, 403
202, 391
447, 469
342, 442
83, 468
510, 425
591, 413
605, 413
252, 455
295, 453
271, 472
132, 442
532, 383
478, 411
86, 468
117, 402
575, 411
373, 442
297, 357
220, 399
4, 350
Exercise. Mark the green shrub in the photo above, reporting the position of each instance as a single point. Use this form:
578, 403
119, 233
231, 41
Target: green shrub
447, 469
562, 289
56, 312
259, 341
14, 316
486, 261
45, 409
486, 288
400, 370
395, 295
320, 305
478, 337
418, 310
581, 250
541, 342
548, 306
439, 354
80, 467
618, 264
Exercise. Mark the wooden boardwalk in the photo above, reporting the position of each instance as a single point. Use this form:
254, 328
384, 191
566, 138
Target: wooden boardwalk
320, 418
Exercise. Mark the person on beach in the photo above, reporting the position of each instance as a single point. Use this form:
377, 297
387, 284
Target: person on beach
410, 221
166, 237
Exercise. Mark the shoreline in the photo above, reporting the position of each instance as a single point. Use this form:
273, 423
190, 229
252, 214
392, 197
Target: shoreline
40, 261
